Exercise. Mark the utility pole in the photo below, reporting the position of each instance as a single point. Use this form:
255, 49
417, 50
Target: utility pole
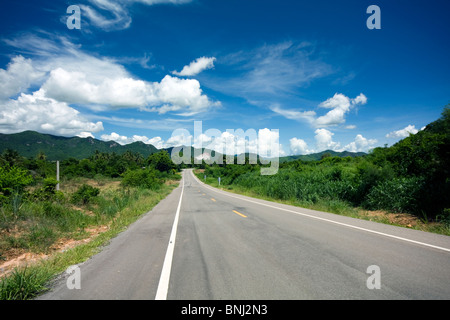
57, 175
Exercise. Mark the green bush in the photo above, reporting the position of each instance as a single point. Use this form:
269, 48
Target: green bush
13, 180
47, 191
396, 195
145, 178
84, 194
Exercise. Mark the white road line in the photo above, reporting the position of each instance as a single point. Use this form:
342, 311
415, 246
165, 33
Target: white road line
323, 219
163, 285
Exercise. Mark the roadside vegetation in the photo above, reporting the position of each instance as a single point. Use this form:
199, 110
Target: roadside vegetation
406, 184
43, 230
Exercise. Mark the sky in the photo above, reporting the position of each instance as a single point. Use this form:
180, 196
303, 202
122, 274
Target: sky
305, 75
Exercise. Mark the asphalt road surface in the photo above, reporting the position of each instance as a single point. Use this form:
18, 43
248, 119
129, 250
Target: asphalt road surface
203, 243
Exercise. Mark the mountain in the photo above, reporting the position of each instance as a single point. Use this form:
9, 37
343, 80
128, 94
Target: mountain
31, 143
319, 155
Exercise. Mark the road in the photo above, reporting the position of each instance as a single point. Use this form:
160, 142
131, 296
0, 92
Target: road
204, 243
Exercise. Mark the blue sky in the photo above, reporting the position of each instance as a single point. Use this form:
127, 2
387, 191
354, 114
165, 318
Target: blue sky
145, 70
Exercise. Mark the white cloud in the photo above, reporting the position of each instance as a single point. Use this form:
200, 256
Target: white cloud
18, 77
116, 13
403, 133
179, 138
122, 91
361, 99
157, 142
299, 146
69, 75
324, 140
340, 105
265, 142
268, 143
120, 16
76, 87
175, 94
40, 113
308, 116
361, 144
85, 134
197, 66
116, 137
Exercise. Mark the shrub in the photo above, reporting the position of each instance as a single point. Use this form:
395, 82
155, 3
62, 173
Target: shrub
47, 191
13, 180
84, 194
145, 178
396, 195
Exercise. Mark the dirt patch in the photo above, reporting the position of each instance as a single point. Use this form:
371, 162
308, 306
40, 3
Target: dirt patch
16, 258
403, 219
72, 186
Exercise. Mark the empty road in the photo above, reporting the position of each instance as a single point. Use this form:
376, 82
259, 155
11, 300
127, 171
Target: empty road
204, 243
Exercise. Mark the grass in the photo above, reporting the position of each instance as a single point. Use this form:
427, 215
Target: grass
114, 209
335, 206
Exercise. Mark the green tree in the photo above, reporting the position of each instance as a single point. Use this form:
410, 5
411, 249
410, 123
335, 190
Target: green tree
161, 161
13, 180
146, 178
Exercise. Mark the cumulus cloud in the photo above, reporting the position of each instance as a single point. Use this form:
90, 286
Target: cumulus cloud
340, 105
76, 87
197, 66
67, 75
99, 84
361, 144
324, 141
402, 133
18, 76
171, 94
264, 142
175, 94
116, 137
38, 112
299, 146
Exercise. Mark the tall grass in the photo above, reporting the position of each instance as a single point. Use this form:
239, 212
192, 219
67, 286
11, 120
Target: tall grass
24, 283
43, 223
334, 185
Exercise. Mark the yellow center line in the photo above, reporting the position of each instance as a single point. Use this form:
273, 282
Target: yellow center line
244, 216
213, 199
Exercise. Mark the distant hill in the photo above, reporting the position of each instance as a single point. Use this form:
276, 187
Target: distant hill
31, 143
319, 155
